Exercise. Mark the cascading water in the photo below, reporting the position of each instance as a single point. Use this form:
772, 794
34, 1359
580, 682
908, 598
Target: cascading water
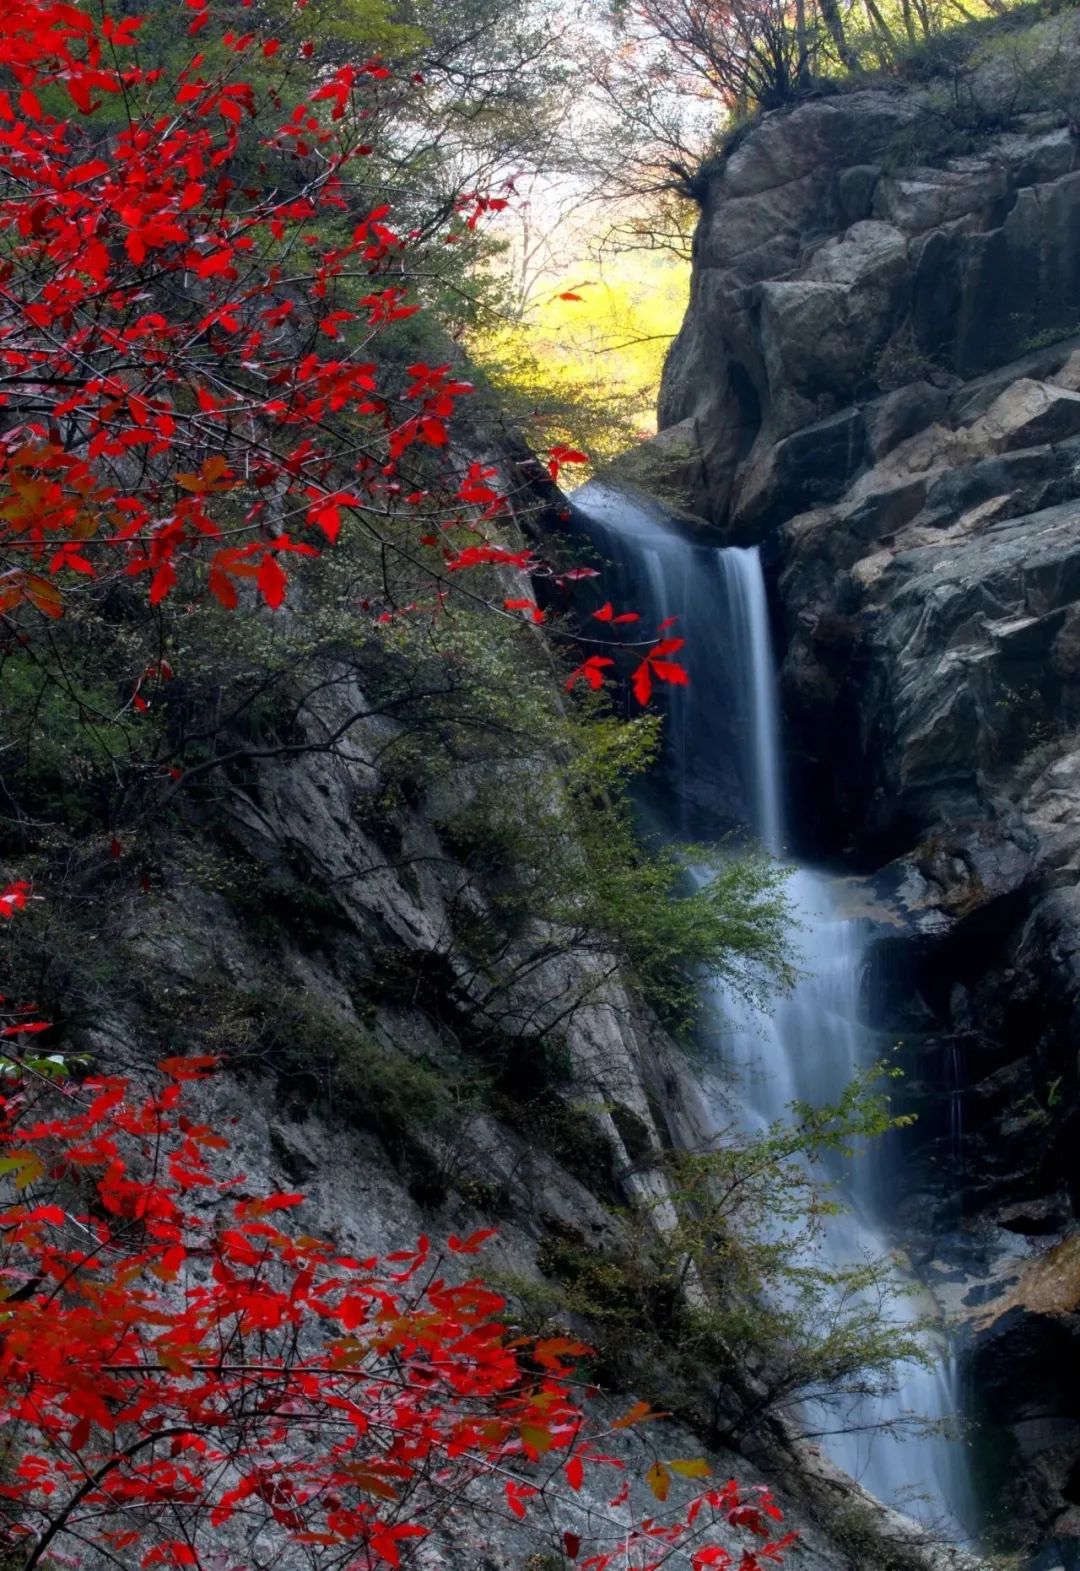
723, 740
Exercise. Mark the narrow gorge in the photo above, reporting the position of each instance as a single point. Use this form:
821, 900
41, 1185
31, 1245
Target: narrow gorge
906, 1446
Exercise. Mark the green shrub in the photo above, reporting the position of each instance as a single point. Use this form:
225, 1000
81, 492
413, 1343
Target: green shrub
735, 1289
554, 842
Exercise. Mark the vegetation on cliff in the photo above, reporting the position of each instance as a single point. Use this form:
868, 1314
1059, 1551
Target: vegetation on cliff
276, 636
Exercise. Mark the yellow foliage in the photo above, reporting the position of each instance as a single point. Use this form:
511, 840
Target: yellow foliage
587, 369
659, 1480
695, 1467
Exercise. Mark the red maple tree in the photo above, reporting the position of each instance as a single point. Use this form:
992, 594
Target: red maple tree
192, 295
176, 1363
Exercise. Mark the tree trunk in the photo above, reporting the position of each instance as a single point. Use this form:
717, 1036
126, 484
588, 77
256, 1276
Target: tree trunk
879, 24
830, 12
802, 72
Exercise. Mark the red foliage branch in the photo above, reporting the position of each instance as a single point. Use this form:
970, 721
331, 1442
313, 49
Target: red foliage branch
175, 1362
188, 349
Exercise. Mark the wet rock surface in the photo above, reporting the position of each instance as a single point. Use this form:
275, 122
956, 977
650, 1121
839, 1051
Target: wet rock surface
931, 686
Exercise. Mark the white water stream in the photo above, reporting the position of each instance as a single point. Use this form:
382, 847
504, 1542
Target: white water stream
811, 1043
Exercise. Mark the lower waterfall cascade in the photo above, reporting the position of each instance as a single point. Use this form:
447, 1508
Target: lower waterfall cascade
809, 1044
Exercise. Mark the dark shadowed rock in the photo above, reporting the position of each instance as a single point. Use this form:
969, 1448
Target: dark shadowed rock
815, 465
903, 413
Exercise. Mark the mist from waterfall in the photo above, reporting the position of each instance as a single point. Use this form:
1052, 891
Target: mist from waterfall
723, 738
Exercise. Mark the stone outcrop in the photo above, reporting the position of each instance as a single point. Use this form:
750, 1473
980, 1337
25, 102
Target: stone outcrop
941, 589
858, 243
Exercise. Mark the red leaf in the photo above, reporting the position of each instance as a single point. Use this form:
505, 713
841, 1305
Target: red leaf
51, 1214
666, 646
637, 1414
325, 512
13, 898
591, 671
480, 555
670, 671
575, 1473
175, 1553
775, 1550
192, 1067
641, 682
606, 613
711, 1555
280, 1201
271, 582
173, 1259
222, 587
470, 1245
162, 581
515, 1495
525, 605
433, 431
44, 595
571, 1545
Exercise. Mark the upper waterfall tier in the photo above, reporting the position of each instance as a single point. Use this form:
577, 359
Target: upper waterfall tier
723, 729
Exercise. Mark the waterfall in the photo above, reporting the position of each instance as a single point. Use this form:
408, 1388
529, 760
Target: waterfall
723, 739
714, 784
751, 660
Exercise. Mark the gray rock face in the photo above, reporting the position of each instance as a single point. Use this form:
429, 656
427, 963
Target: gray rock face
932, 611
862, 242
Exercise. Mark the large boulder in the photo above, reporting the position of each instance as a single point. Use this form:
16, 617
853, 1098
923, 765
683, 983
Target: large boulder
1026, 1358
673, 467
1028, 413
822, 333
814, 465
938, 596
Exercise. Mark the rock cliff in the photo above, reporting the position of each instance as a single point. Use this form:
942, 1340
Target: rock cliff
879, 380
